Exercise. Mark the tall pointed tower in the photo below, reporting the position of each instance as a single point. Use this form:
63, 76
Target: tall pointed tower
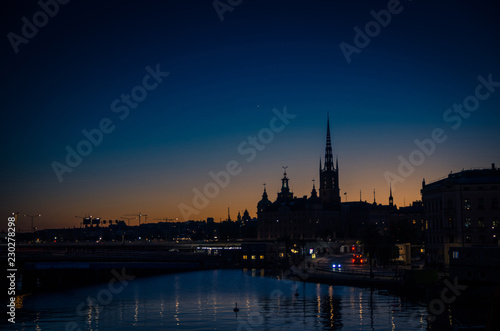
329, 190
391, 199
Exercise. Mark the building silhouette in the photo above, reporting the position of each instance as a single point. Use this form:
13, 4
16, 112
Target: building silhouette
329, 190
461, 210
289, 217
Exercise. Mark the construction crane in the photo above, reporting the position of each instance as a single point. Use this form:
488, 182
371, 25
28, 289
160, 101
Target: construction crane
32, 217
128, 219
138, 215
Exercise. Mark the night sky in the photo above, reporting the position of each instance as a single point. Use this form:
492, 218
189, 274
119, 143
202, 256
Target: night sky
217, 83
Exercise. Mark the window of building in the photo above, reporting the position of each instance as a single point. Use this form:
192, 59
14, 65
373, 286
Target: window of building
245, 257
480, 222
494, 223
262, 257
480, 203
452, 239
466, 204
468, 223
494, 203
455, 254
468, 239
450, 204
253, 257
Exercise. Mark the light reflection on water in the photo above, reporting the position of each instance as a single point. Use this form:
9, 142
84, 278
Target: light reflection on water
205, 300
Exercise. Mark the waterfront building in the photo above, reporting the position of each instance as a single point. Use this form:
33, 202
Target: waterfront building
461, 210
316, 216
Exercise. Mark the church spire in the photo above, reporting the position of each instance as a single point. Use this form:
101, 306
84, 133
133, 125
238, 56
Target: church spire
264, 203
314, 194
284, 182
264, 195
328, 148
329, 190
391, 200
285, 194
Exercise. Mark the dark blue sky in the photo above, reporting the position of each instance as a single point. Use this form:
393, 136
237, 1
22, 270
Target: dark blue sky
225, 77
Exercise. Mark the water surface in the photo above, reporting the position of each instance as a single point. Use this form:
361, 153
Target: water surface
204, 300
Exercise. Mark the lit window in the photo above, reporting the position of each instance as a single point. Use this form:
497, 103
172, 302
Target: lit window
480, 222
245, 257
495, 222
455, 254
467, 204
253, 257
262, 257
468, 223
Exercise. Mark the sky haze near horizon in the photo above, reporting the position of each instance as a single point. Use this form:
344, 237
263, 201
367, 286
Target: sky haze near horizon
224, 80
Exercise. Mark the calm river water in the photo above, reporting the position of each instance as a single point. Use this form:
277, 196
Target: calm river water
204, 300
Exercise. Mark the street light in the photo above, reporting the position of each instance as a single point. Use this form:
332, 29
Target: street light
32, 217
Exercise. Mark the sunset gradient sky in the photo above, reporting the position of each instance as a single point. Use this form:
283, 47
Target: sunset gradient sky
225, 78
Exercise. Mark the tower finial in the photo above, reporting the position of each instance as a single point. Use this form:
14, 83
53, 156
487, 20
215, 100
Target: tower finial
328, 148
314, 194
391, 200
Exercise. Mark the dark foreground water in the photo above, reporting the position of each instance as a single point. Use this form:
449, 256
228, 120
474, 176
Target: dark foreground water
205, 300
